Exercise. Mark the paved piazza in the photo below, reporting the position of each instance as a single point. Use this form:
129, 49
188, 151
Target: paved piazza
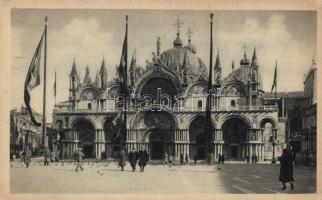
99, 178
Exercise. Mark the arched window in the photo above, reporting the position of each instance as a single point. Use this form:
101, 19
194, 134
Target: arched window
199, 104
233, 103
89, 106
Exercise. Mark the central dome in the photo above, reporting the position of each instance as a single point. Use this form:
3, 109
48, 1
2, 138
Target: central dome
179, 58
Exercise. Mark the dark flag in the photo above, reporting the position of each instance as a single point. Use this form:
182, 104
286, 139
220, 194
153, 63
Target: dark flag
275, 78
208, 126
33, 79
120, 119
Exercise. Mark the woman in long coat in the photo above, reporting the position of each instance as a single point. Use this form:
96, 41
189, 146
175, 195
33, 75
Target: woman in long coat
27, 156
286, 169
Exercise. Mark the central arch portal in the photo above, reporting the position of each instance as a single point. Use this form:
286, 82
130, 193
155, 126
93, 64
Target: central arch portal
86, 135
234, 135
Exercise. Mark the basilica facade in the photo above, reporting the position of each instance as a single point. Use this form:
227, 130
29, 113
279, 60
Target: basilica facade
166, 109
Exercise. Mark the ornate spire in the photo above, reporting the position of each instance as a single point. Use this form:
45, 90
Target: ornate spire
74, 70
217, 64
133, 62
245, 60
103, 69
190, 46
178, 42
97, 79
254, 59
87, 78
217, 70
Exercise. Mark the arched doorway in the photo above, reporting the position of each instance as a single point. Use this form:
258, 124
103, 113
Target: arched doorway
112, 133
86, 137
235, 135
197, 138
157, 144
160, 127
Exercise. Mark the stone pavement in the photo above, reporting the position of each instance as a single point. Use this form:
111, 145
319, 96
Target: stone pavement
99, 178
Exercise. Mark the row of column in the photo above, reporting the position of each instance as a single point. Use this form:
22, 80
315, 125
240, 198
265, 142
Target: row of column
181, 135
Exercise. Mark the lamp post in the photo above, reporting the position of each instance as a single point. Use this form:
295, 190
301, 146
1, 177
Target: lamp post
273, 141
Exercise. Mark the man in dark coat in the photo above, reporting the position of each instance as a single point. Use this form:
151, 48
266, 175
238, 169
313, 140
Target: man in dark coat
27, 156
187, 158
219, 158
223, 159
181, 158
256, 159
133, 157
143, 159
122, 160
286, 169
79, 159
253, 158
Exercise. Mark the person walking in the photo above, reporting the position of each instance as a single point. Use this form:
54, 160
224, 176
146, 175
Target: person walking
219, 158
256, 159
166, 158
79, 159
195, 158
286, 169
187, 158
169, 161
122, 160
222, 159
133, 157
253, 158
46, 157
208, 158
143, 159
27, 156
181, 159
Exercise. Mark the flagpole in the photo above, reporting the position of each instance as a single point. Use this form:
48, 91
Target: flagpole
44, 143
208, 111
125, 77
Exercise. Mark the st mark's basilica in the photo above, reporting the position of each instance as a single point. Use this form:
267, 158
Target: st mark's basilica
173, 85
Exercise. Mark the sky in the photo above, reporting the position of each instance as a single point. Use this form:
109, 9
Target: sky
288, 37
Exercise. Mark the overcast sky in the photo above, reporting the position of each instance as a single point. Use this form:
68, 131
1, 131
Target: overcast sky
286, 36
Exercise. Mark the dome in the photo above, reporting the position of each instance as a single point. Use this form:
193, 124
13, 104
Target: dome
174, 59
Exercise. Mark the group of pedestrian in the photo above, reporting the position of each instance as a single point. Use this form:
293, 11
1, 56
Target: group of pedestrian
253, 158
133, 157
221, 158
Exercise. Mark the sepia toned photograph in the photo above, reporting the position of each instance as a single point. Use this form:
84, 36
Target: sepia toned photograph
118, 101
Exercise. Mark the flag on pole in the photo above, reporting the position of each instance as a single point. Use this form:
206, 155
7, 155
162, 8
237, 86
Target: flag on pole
122, 68
275, 78
121, 118
33, 79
